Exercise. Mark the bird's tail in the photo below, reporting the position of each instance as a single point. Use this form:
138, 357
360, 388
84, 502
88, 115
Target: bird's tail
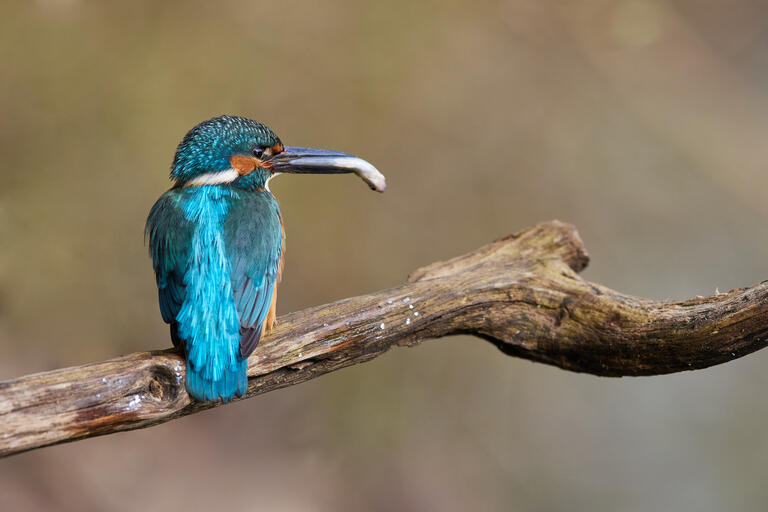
206, 385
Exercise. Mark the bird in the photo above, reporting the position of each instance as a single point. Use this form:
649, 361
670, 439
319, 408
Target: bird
217, 244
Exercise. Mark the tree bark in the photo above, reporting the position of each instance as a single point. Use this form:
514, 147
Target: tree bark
522, 293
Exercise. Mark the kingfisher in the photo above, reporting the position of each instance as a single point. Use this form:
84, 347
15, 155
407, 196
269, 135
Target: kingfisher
217, 244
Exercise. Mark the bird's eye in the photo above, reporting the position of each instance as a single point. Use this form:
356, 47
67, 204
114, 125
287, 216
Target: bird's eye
258, 152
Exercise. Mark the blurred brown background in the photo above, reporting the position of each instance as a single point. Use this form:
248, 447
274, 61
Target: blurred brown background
643, 122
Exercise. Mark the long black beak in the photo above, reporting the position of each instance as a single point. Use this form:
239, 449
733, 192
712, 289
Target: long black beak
298, 160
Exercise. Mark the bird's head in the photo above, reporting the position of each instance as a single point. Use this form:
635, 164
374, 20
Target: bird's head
239, 151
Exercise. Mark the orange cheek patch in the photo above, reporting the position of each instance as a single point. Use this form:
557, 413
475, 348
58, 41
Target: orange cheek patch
244, 164
277, 148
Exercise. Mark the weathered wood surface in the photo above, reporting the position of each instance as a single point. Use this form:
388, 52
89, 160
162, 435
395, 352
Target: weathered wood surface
522, 293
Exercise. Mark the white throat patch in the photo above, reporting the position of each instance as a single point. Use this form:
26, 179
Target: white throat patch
214, 178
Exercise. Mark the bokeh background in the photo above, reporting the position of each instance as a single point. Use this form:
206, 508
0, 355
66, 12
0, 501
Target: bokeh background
643, 122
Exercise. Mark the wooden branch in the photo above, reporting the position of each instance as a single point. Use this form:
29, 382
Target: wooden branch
522, 293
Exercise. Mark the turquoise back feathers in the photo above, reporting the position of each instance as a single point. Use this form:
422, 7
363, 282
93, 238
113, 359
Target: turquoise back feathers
208, 320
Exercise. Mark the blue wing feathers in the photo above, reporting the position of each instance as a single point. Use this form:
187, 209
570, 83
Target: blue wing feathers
254, 242
249, 339
168, 233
